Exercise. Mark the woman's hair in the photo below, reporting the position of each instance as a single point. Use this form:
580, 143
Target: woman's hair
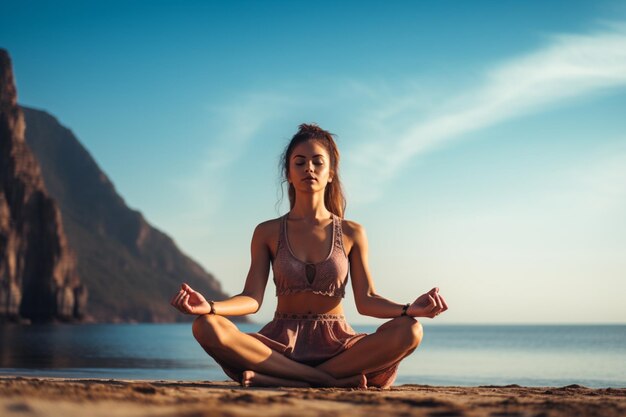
334, 199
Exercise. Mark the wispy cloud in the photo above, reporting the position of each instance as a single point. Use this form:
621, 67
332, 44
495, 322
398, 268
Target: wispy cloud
393, 123
230, 129
569, 66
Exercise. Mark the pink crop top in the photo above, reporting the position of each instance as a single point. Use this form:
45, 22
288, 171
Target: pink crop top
328, 277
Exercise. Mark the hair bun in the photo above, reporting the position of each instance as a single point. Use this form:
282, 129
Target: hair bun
312, 128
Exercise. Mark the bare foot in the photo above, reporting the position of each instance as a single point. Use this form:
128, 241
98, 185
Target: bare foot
356, 381
255, 379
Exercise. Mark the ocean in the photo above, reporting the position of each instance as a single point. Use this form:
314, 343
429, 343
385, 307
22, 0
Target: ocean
466, 355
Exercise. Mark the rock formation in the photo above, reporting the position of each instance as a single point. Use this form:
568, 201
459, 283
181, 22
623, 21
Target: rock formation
38, 276
131, 268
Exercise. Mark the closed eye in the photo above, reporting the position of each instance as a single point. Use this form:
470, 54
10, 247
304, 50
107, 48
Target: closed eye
301, 161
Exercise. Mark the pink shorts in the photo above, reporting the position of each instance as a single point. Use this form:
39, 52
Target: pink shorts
313, 339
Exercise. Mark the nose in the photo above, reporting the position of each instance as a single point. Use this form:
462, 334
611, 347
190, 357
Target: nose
309, 167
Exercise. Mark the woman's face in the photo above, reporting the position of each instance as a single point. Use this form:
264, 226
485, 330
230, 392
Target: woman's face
309, 167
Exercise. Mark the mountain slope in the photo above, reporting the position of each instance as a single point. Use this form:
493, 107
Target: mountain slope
130, 268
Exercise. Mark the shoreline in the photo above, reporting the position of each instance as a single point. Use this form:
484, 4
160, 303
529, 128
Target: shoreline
70, 397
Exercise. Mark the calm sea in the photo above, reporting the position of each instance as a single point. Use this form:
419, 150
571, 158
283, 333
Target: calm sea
551, 355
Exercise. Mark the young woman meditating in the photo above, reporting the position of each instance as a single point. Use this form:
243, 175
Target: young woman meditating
311, 249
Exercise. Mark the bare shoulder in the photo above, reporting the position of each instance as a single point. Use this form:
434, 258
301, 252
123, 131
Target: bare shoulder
353, 232
268, 229
266, 234
351, 227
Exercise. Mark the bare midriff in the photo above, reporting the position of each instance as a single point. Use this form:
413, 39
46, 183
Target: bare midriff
309, 303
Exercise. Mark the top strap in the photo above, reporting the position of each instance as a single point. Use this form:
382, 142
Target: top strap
282, 235
338, 232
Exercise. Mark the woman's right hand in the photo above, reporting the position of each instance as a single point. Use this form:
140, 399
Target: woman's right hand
189, 301
430, 305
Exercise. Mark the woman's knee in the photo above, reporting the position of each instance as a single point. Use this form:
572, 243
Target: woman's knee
410, 332
417, 333
209, 331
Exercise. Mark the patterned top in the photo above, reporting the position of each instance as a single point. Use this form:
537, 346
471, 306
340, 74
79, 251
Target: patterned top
328, 277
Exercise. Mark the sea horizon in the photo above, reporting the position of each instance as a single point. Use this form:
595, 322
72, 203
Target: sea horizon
592, 355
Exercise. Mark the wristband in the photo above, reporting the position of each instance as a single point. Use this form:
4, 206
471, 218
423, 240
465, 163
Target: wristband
404, 309
212, 304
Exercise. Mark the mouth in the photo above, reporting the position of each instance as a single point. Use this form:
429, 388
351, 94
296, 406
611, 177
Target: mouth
309, 179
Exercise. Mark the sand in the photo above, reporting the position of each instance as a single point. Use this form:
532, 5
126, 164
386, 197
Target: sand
20, 396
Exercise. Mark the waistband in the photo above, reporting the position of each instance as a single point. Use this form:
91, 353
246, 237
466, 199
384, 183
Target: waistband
297, 316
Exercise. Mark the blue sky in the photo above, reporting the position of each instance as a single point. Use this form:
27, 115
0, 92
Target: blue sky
483, 143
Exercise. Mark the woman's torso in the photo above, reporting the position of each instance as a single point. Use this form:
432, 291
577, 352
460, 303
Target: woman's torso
300, 243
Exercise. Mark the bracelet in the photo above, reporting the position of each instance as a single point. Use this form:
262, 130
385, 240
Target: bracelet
404, 309
212, 304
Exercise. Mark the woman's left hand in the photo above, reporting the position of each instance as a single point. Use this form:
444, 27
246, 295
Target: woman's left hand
430, 305
189, 301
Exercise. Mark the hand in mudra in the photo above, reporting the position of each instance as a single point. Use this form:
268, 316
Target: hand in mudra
189, 301
430, 305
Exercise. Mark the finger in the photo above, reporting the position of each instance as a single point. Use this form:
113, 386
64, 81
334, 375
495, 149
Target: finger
181, 294
173, 300
439, 303
445, 305
189, 289
179, 298
434, 291
432, 303
186, 305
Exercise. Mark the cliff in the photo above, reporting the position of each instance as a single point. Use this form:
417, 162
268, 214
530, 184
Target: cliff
53, 196
131, 268
38, 276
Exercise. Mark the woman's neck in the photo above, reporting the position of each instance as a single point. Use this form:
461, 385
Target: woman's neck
310, 207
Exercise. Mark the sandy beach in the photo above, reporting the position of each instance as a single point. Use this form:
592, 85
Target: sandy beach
20, 396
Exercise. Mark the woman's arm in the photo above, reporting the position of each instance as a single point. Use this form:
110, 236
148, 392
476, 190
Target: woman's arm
249, 301
368, 302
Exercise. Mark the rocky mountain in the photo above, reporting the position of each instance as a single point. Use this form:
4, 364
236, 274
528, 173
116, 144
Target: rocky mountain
38, 275
130, 268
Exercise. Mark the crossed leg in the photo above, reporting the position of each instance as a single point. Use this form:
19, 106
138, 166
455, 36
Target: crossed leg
221, 339
393, 341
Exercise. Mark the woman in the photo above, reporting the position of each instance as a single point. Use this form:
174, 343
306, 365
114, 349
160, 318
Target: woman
310, 250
